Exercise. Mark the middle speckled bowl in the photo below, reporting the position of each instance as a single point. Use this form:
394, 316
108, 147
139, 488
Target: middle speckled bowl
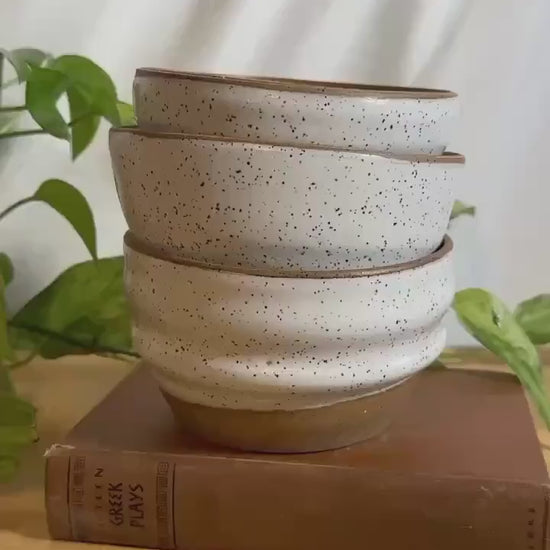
237, 204
226, 339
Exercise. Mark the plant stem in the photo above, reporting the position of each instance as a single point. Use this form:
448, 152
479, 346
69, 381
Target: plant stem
1, 75
23, 361
15, 205
541, 401
20, 133
126, 358
13, 109
73, 341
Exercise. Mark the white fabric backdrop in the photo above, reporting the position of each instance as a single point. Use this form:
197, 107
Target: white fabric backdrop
494, 53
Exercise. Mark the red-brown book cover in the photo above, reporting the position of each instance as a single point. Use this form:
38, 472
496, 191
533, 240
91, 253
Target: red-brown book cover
461, 468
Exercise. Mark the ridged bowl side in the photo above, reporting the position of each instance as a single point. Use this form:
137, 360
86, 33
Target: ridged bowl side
238, 341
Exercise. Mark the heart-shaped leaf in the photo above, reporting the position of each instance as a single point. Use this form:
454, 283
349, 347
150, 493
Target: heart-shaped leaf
462, 209
83, 310
23, 59
17, 425
126, 114
92, 83
534, 317
6, 268
83, 332
68, 201
489, 321
14, 437
15, 411
84, 123
17, 429
43, 90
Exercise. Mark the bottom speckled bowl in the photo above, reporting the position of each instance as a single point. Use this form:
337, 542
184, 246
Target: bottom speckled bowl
230, 340
305, 430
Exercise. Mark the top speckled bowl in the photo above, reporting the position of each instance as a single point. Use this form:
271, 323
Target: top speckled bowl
278, 110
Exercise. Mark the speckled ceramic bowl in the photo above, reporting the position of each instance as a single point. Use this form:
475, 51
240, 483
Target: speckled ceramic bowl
277, 110
286, 209
227, 339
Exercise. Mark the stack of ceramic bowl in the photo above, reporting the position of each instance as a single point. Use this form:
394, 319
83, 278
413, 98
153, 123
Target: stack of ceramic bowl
286, 264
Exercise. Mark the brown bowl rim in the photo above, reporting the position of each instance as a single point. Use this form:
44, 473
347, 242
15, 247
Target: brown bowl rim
350, 89
447, 157
446, 246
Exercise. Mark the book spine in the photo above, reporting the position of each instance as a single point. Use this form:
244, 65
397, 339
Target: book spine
206, 503
116, 498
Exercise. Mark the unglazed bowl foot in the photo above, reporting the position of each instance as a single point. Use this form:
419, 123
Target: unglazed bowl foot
306, 430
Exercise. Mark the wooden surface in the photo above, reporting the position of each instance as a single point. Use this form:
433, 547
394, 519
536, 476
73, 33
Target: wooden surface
64, 391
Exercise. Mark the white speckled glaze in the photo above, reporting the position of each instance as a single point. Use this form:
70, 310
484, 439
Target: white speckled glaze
285, 209
277, 110
249, 342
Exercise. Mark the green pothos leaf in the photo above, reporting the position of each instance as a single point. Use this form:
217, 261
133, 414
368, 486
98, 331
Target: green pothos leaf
6, 268
17, 430
17, 423
70, 203
534, 317
489, 321
462, 209
83, 310
91, 82
42, 92
126, 114
6, 352
84, 123
23, 59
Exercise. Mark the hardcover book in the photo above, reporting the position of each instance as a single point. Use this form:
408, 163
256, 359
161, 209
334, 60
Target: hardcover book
461, 467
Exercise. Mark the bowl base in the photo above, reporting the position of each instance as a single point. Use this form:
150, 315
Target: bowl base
305, 430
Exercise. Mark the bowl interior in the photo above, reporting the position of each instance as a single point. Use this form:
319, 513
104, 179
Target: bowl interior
299, 85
